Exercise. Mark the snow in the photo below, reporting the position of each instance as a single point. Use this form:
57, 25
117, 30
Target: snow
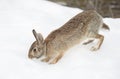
19, 17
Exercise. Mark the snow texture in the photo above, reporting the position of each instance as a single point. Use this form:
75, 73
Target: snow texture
19, 17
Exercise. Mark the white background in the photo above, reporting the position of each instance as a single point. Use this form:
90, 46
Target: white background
19, 17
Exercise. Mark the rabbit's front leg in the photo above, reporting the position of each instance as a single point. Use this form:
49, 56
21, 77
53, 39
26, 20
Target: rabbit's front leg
56, 59
47, 59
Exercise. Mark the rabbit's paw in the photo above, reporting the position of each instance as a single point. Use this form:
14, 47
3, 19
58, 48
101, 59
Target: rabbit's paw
54, 61
45, 59
94, 48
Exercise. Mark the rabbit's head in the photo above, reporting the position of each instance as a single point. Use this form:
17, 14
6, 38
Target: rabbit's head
37, 48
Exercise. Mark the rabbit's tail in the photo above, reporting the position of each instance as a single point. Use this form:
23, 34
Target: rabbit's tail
106, 27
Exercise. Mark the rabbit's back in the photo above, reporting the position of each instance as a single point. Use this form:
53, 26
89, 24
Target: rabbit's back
82, 21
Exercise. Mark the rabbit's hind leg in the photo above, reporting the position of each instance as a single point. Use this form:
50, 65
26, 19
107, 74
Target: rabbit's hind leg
89, 41
99, 43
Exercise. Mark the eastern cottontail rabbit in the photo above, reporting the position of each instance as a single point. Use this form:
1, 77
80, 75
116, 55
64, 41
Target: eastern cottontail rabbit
83, 26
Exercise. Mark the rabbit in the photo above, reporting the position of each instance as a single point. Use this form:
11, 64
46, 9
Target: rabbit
83, 26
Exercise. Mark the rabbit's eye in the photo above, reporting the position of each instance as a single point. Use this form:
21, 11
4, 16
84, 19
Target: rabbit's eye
35, 50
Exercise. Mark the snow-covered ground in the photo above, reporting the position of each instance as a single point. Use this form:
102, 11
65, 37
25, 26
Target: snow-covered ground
19, 17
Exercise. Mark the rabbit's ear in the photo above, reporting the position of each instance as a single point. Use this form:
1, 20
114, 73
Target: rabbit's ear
38, 37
